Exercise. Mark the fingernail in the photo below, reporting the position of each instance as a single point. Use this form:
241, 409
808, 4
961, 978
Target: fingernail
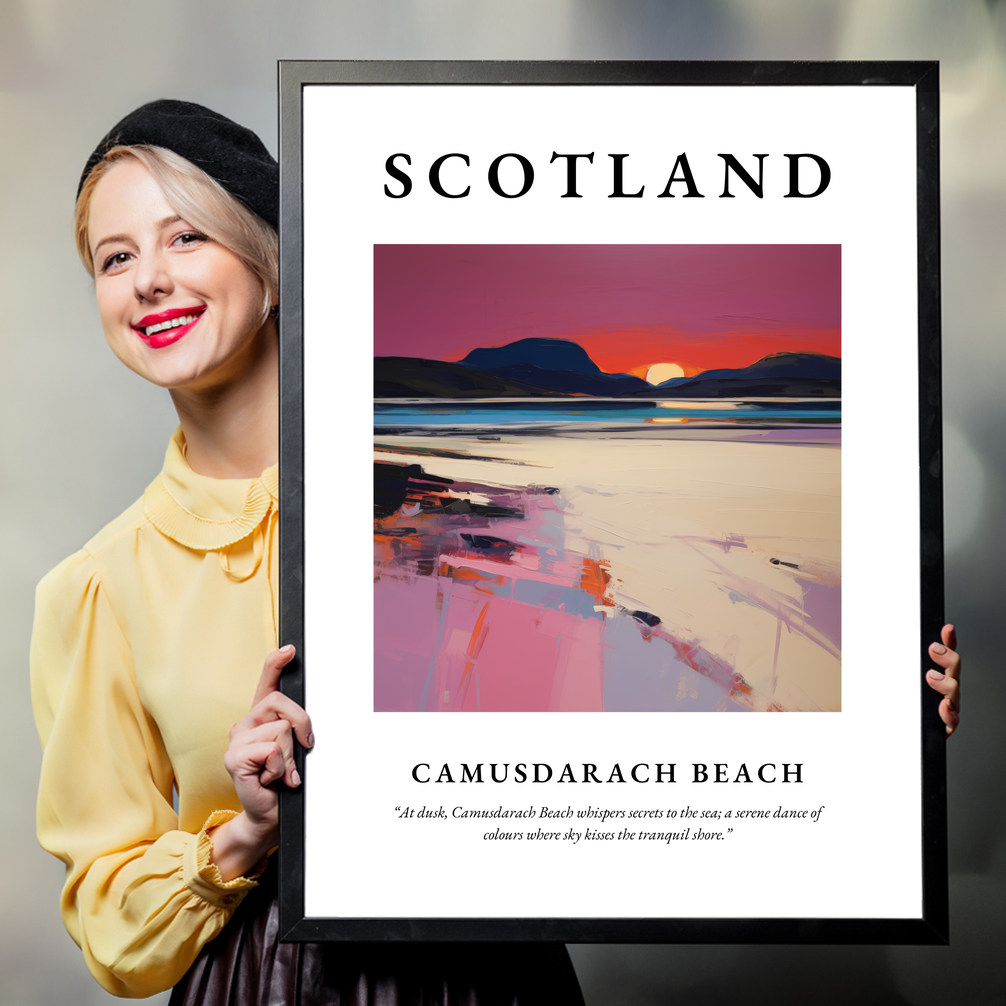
287, 649
295, 777
310, 740
938, 648
936, 676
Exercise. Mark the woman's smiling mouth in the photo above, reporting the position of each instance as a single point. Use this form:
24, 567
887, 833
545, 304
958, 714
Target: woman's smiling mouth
166, 327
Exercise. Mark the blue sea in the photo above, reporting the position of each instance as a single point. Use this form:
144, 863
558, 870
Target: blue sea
541, 414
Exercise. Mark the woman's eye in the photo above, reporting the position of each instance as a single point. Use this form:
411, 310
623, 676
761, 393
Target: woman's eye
114, 261
190, 238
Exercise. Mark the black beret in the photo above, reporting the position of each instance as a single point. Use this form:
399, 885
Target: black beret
230, 154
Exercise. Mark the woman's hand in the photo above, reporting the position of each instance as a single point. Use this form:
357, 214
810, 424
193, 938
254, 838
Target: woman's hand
260, 753
947, 682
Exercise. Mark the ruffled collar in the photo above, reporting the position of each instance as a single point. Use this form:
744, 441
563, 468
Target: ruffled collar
203, 513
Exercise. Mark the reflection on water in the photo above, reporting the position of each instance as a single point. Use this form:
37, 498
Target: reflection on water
601, 413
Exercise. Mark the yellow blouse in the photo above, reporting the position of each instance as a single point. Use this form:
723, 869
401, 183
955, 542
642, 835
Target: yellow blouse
147, 647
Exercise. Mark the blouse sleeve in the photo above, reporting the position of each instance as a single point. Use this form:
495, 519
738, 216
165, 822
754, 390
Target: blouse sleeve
141, 898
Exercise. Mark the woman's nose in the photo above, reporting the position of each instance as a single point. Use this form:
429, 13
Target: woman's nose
152, 277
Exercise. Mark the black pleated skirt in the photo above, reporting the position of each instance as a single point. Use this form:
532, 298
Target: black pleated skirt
246, 965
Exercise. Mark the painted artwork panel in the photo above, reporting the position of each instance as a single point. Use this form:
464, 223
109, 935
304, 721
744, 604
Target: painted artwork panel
607, 478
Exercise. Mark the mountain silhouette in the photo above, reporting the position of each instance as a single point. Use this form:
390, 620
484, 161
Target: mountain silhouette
410, 377
808, 365
535, 368
784, 375
545, 354
568, 382
554, 366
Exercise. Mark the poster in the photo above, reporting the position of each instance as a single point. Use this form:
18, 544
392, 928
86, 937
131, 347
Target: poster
644, 442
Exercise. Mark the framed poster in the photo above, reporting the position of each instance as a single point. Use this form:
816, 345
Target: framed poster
654, 438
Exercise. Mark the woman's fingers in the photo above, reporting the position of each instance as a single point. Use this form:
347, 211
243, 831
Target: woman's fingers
945, 655
949, 710
944, 684
261, 749
277, 736
274, 766
271, 671
270, 703
949, 636
949, 688
947, 680
260, 761
950, 716
277, 706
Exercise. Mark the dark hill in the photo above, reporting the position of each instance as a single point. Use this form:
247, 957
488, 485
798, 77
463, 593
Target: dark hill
567, 382
554, 366
545, 354
782, 375
408, 377
806, 365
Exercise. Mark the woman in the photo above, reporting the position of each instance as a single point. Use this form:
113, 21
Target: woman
148, 643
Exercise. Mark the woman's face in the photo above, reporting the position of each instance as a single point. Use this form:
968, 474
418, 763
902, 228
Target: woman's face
177, 308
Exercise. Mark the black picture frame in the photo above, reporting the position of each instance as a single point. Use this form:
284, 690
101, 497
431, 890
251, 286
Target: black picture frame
931, 926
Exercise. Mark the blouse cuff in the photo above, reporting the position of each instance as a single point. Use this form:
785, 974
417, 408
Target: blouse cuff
202, 876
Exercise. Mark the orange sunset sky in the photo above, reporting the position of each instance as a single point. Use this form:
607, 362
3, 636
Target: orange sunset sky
699, 307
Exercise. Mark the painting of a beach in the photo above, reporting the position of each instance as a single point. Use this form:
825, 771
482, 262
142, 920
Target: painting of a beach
607, 478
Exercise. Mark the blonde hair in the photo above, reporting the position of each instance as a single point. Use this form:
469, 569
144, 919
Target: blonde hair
199, 200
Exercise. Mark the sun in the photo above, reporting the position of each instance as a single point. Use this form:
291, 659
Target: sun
661, 372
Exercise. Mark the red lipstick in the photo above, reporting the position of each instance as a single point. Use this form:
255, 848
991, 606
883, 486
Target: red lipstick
166, 327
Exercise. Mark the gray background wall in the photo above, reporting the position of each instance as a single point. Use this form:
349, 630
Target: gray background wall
82, 436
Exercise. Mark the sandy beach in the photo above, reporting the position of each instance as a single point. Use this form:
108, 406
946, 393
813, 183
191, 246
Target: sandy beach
710, 561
